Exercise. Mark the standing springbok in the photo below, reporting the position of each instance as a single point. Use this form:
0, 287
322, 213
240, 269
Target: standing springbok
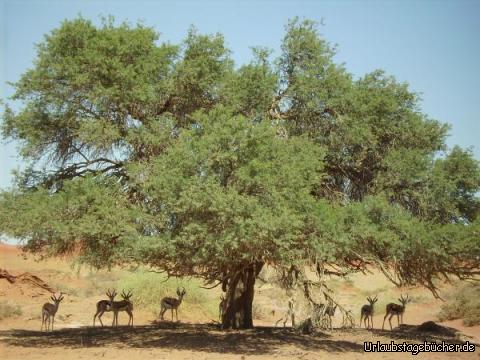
49, 310
366, 313
172, 303
123, 305
221, 308
290, 314
330, 312
395, 309
104, 305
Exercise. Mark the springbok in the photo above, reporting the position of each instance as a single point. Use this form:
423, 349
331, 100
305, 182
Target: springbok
104, 305
330, 312
395, 309
49, 310
172, 303
123, 305
290, 314
221, 308
366, 313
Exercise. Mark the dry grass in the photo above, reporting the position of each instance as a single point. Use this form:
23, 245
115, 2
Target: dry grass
463, 304
8, 310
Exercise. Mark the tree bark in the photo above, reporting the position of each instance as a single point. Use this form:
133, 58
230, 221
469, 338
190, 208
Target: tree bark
240, 291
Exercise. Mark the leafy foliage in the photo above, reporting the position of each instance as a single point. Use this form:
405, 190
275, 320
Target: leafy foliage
87, 217
229, 190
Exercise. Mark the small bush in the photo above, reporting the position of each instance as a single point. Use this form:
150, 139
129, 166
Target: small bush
100, 281
88, 292
260, 312
8, 310
61, 287
464, 305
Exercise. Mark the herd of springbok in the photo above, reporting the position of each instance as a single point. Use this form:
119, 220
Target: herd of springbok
366, 312
167, 303
170, 303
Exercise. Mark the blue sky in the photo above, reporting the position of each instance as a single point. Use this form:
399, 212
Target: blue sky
432, 45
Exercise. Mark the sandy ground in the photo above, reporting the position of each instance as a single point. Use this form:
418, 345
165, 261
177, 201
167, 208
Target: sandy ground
184, 341
75, 338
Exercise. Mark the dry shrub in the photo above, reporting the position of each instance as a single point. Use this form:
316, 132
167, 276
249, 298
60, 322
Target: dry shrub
465, 304
9, 310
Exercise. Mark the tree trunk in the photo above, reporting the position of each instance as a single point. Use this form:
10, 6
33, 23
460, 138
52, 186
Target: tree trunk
240, 290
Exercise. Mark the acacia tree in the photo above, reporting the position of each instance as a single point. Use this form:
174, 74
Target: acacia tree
169, 156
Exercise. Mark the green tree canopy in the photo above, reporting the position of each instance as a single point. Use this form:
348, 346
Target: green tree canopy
167, 155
